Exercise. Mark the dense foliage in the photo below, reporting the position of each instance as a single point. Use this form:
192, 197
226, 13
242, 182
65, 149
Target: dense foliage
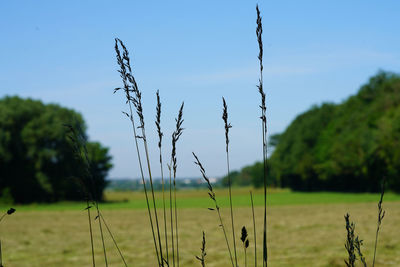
37, 162
346, 147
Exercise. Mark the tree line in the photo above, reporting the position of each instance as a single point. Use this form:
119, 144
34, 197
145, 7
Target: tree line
349, 146
37, 162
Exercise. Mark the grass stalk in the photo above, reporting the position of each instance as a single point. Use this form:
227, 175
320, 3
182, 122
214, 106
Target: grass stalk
113, 239
175, 137
176, 225
227, 127
160, 135
264, 132
245, 242
78, 141
90, 232
101, 234
130, 86
357, 244
255, 232
152, 192
171, 216
381, 214
211, 193
202, 257
349, 245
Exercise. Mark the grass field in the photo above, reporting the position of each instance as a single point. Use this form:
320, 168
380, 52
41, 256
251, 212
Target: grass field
305, 229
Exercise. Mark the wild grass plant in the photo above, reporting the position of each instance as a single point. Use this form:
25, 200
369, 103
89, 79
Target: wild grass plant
166, 241
134, 100
87, 182
162, 250
353, 243
202, 257
216, 208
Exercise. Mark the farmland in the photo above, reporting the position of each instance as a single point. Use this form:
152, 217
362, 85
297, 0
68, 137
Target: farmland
305, 229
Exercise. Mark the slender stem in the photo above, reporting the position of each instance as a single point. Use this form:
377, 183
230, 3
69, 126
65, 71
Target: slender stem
245, 257
113, 239
255, 232
90, 232
160, 136
264, 132
175, 137
171, 218
130, 85
227, 127
223, 229
176, 224
101, 234
211, 194
381, 214
230, 203
201, 258
165, 214
152, 193
144, 183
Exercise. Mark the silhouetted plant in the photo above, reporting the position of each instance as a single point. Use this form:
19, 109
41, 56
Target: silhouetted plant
160, 136
211, 193
78, 143
254, 226
134, 98
202, 257
381, 214
175, 138
263, 118
349, 245
227, 127
245, 242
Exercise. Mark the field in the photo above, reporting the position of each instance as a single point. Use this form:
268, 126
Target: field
305, 229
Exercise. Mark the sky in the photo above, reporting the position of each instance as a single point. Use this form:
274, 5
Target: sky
197, 52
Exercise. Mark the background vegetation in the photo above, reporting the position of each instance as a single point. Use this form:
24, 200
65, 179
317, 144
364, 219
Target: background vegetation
37, 162
339, 147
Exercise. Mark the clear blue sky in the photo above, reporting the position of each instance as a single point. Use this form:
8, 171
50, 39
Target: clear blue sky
315, 51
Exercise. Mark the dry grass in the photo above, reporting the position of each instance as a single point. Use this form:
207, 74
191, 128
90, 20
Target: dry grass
299, 235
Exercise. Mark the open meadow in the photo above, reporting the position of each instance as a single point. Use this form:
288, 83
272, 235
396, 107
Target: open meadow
304, 229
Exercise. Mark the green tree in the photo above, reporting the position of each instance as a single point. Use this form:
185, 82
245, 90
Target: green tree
36, 159
349, 146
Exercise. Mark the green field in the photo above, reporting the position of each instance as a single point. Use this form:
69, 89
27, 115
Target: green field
305, 229
200, 199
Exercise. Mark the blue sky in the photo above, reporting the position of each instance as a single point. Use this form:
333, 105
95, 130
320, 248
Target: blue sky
197, 52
